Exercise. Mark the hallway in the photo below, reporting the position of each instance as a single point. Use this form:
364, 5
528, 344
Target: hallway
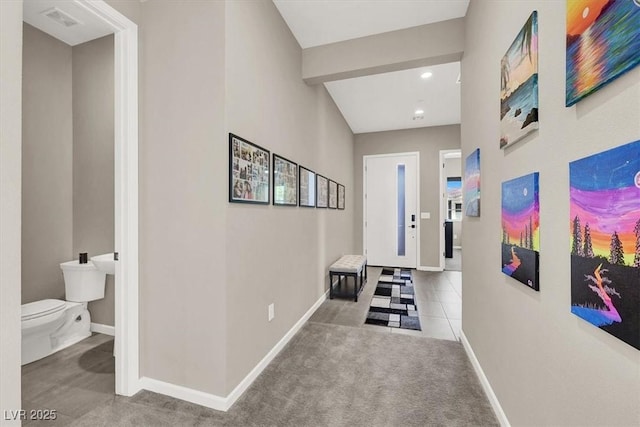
335, 372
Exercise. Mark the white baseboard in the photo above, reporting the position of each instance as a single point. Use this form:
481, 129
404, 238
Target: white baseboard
423, 268
246, 382
184, 393
224, 403
493, 399
103, 329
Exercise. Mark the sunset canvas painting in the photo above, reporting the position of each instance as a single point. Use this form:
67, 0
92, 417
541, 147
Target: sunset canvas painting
521, 230
603, 41
605, 241
519, 85
471, 195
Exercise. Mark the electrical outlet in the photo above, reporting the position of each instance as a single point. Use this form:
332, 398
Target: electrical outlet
272, 312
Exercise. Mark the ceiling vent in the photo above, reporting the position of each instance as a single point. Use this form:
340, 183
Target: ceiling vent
61, 17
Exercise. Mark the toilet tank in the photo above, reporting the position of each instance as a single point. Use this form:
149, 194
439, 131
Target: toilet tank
82, 282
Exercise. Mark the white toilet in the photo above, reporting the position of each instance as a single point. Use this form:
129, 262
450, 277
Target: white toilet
50, 325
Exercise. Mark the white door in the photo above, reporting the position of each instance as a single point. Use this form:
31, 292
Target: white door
390, 210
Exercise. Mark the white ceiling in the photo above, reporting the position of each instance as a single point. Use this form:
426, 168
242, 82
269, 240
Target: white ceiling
318, 22
383, 101
88, 28
389, 101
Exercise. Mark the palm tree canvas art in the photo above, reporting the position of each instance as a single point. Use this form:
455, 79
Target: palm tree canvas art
519, 85
605, 241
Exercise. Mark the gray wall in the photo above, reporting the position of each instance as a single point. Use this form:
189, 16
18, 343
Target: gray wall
428, 142
278, 255
47, 164
215, 266
546, 366
93, 166
453, 168
10, 203
183, 173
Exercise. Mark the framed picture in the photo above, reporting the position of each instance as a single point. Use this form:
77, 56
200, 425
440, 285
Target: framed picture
285, 182
340, 196
603, 42
333, 195
307, 187
471, 193
521, 230
248, 171
519, 85
322, 191
604, 221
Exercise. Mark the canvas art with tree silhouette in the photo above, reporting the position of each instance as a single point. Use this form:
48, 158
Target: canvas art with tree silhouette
605, 241
521, 230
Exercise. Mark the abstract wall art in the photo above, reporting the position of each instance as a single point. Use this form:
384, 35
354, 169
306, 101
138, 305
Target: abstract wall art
521, 230
519, 85
603, 41
605, 241
471, 193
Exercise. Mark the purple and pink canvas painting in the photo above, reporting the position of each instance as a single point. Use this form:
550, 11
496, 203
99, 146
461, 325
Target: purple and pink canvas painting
521, 230
605, 241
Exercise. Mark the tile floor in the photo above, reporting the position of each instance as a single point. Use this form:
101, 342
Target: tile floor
438, 296
72, 381
455, 263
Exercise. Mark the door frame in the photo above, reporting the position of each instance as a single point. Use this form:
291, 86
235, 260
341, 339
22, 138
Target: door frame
364, 198
127, 350
443, 204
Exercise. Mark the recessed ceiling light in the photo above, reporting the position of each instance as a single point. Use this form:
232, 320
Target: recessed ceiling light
419, 112
426, 74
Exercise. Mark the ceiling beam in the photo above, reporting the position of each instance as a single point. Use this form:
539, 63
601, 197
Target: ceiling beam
425, 45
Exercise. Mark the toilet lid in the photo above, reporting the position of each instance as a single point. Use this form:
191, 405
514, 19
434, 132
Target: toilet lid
41, 308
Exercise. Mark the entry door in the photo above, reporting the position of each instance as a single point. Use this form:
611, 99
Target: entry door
390, 210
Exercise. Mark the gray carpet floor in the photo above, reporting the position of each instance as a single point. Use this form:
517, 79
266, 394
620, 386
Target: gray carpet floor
328, 375
331, 375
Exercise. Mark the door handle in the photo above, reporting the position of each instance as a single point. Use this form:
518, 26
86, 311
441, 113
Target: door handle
412, 226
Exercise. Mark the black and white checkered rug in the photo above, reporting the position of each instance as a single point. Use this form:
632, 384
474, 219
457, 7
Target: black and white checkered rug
393, 303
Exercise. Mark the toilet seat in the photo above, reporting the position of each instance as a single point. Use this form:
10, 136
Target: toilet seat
36, 309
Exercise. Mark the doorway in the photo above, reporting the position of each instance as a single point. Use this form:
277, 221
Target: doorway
391, 201
451, 209
125, 166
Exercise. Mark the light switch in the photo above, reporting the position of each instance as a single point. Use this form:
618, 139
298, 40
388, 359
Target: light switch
425, 215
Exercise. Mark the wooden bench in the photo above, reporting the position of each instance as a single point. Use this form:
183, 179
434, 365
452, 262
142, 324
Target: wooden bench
348, 265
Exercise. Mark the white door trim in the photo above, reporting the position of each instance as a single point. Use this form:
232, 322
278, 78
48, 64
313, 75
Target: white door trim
364, 197
126, 193
443, 205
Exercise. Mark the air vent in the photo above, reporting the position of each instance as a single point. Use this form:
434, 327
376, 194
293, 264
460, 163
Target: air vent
61, 17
